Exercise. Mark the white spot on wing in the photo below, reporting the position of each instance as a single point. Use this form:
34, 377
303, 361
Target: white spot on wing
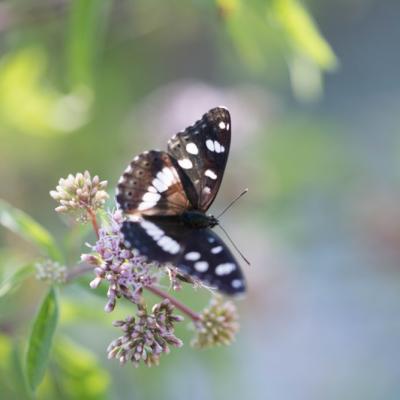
128, 169
169, 175
211, 174
193, 256
145, 205
210, 145
222, 125
216, 250
152, 189
152, 197
225, 269
169, 245
185, 163
201, 266
159, 185
166, 177
237, 283
192, 148
152, 229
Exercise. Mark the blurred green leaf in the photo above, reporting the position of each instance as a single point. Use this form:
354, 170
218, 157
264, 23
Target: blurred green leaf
18, 374
41, 339
13, 281
306, 78
79, 372
86, 24
250, 33
302, 33
28, 103
259, 27
25, 226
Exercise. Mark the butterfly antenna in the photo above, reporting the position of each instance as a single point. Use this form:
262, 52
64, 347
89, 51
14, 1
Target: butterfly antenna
233, 244
233, 202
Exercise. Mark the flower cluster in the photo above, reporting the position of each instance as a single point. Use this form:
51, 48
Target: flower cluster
80, 193
125, 272
147, 336
217, 325
51, 271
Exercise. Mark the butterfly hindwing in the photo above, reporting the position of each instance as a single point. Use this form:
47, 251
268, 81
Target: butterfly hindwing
199, 253
201, 151
151, 186
205, 256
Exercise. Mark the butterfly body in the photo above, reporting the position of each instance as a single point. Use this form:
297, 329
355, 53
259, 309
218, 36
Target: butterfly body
198, 220
165, 196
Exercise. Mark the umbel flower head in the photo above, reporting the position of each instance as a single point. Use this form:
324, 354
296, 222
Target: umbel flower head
80, 193
217, 325
125, 272
146, 336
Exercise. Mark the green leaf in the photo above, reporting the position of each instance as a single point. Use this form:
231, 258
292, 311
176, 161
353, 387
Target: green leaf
87, 21
81, 375
21, 388
302, 33
26, 227
40, 340
12, 283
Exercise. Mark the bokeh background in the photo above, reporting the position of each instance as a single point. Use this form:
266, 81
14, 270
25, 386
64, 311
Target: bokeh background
314, 92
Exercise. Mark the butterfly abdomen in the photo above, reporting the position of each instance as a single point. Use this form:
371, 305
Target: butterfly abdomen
198, 219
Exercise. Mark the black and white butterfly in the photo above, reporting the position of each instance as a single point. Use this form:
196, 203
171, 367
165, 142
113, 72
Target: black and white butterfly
165, 196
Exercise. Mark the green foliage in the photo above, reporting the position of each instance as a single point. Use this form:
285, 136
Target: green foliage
87, 20
29, 103
75, 373
25, 226
41, 338
260, 28
12, 283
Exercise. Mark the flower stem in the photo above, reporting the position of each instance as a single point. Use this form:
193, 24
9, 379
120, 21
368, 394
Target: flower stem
93, 219
76, 272
180, 306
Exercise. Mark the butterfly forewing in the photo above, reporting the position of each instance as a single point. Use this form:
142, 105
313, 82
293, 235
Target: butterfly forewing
201, 151
151, 186
199, 253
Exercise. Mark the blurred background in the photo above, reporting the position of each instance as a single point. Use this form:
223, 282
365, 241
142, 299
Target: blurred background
314, 92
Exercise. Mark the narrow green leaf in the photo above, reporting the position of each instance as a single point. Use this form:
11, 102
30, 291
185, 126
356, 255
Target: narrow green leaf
41, 339
21, 388
87, 21
13, 281
303, 34
25, 226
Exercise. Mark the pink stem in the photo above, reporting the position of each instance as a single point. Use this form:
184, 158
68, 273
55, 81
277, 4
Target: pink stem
180, 306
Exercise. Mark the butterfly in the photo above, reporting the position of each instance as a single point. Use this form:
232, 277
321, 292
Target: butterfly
165, 196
